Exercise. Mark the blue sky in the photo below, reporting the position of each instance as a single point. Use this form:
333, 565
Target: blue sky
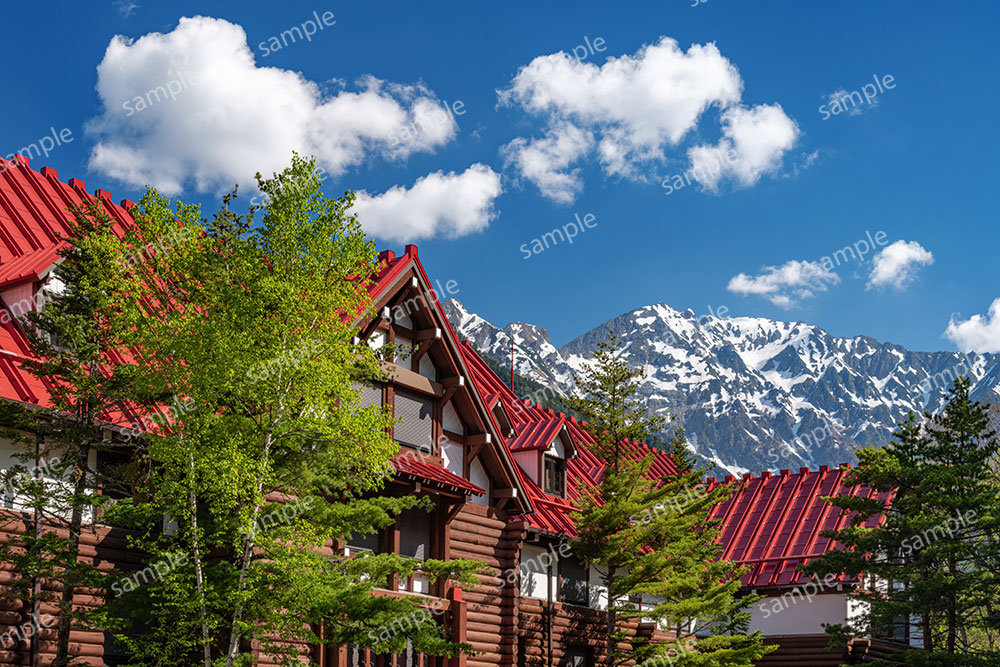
540, 138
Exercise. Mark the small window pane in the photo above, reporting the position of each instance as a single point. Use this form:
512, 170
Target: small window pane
554, 476
574, 581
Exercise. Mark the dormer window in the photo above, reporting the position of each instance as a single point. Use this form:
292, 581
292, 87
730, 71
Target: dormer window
553, 475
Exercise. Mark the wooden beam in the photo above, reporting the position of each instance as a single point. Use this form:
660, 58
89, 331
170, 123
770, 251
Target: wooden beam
457, 381
505, 493
420, 351
471, 452
426, 334
407, 378
479, 439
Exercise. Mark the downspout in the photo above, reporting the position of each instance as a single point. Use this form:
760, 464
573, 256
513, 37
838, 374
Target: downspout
549, 624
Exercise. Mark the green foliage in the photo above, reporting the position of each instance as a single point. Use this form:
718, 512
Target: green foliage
653, 541
255, 453
937, 543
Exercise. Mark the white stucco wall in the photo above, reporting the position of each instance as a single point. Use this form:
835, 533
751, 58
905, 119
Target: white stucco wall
478, 476
450, 419
453, 455
797, 613
535, 563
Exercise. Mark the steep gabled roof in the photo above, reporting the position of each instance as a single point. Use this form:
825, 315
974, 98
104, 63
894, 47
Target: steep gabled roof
392, 270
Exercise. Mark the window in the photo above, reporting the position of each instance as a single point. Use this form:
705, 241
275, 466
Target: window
416, 529
359, 542
415, 533
577, 656
573, 585
415, 421
553, 476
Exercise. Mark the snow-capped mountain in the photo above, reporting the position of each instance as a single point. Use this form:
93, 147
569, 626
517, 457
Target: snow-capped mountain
754, 394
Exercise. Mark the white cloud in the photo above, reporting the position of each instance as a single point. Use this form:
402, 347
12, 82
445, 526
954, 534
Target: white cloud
192, 106
784, 285
978, 333
753, 144
639, 106
897, 264
438, 204
125, 7
544, 161
839, 99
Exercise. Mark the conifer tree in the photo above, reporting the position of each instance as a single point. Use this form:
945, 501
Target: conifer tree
71, 340
930, 565
652, 542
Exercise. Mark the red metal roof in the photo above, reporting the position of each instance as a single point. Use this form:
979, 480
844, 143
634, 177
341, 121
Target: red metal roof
34, 216
774, 523
408, 464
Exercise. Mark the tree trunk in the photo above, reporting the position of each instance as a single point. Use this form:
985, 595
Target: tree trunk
199, 578
952, 609
246, 558
75, 524
609, 657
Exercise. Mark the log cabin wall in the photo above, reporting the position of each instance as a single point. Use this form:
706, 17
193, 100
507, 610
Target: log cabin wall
481, 533
105, 547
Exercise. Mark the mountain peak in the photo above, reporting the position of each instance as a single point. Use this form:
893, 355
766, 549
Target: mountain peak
752, 393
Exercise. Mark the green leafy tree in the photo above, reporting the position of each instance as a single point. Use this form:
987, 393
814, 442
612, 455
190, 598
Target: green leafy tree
259, 456
930, 565
652, 542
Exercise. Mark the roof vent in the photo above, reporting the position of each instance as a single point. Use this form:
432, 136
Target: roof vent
729, 478
784, 472
22, 160
386, 256
102, 194
49, 172
766, 474
803, 471
710, 480
748, 475
824, 468
845, 466
411, 250
77, 184
127, 204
